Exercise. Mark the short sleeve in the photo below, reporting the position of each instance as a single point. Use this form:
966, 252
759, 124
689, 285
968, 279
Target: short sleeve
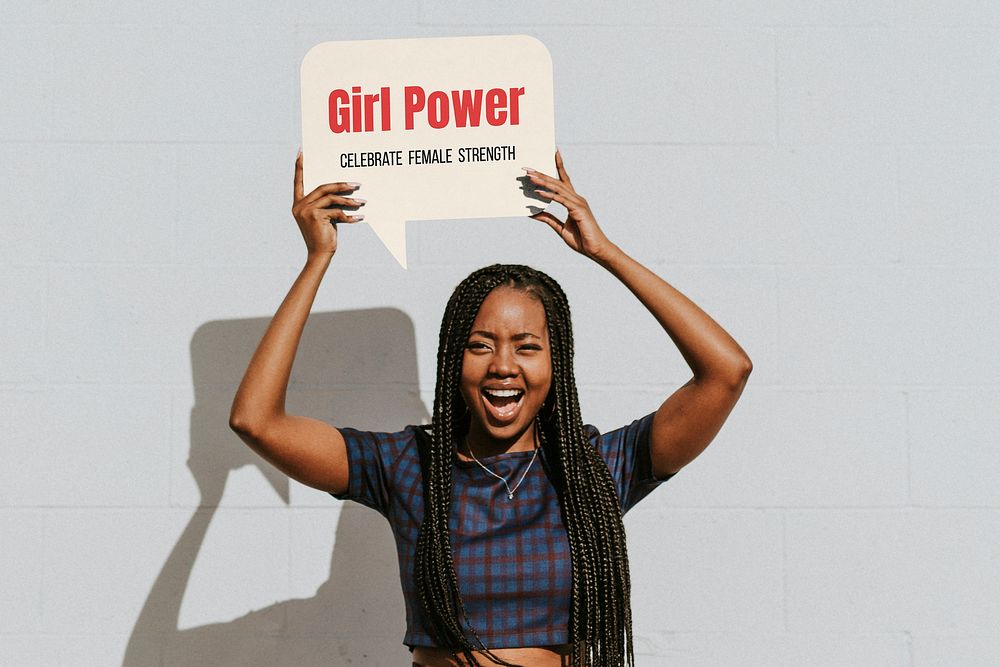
371, 457
626, 450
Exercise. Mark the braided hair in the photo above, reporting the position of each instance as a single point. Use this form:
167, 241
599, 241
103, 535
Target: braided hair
600, 614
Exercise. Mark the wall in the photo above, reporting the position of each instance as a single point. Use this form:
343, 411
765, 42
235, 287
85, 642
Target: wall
822, 178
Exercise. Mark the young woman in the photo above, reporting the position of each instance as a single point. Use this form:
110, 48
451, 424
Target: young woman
507, 509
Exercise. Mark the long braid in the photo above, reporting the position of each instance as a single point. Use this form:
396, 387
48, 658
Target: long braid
588, 478
600, 613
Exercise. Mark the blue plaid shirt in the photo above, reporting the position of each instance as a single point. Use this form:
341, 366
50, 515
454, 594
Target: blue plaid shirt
511, 556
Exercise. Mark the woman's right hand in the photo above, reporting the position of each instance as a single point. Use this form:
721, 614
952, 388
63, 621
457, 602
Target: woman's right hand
318, 213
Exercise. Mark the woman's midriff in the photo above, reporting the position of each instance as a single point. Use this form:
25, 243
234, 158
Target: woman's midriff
535, 656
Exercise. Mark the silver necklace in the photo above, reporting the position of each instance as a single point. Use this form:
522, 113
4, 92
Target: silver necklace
510, 491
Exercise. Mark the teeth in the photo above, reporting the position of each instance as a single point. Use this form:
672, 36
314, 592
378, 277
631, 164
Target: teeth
502, 393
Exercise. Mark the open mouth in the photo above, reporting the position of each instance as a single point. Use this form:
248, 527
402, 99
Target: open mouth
503, 403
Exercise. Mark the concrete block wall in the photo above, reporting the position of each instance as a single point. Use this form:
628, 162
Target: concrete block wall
823, 178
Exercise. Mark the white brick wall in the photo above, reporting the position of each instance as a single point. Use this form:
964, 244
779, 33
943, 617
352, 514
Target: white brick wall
821, 177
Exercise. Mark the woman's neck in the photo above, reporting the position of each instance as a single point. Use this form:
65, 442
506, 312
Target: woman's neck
482, 445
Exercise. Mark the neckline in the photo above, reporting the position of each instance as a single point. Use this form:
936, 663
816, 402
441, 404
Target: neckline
495, 457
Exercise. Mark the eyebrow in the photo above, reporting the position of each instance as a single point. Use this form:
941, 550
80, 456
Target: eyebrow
520, 336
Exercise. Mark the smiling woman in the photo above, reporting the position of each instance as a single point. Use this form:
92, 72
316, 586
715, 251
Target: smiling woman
501, 560
506, 371
553, 552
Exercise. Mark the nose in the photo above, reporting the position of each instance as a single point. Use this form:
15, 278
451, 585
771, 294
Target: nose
502, 363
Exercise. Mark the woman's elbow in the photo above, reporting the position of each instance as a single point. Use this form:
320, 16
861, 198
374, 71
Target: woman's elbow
248, 418
730, 369
738, 372
237, 423
243, 424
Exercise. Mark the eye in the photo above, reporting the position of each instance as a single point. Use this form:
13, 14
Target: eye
476, 345
531, 347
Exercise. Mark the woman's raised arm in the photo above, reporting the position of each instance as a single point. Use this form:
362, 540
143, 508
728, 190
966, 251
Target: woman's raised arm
308, 450
689, 419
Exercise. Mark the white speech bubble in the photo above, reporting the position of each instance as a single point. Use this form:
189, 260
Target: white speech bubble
389, 114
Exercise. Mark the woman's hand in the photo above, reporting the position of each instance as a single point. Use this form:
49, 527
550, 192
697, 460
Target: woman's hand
580, 230
318, 213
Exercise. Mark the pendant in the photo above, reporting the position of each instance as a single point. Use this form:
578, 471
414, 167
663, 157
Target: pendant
510, 496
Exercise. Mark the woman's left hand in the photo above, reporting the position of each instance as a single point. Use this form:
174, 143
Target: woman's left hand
580, 231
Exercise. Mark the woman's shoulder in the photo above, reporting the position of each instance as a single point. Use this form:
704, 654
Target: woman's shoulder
389, 444
636, 431
408, 432
632, 424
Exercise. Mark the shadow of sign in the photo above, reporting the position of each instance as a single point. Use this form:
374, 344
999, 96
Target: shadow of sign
353, 368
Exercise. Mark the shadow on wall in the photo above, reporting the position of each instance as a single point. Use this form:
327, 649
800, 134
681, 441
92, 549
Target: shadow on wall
353, 368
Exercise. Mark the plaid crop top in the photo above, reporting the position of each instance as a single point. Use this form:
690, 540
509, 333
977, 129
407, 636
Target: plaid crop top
511, 556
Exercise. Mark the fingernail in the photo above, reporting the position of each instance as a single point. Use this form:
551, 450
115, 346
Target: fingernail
300, 150
354, 185
358, 217
530, 171
360, 200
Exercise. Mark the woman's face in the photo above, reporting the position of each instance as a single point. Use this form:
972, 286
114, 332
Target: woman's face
506, 368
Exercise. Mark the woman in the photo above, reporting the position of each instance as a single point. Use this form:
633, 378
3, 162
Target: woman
501, 560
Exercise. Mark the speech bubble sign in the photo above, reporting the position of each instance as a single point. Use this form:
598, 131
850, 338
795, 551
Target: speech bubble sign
433, 129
